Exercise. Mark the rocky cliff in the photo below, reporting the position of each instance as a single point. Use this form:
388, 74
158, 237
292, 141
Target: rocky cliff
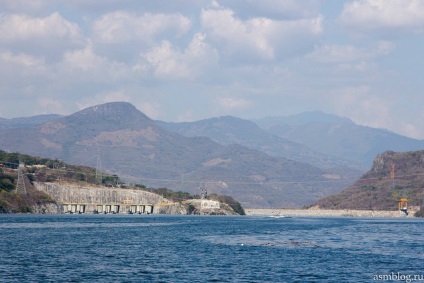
392, 176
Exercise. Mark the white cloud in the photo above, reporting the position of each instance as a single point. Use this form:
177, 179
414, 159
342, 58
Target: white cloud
259, 36
21, 27
410, 130
348, 53
21, 60
382, 14
166, 61
83, 59
151, 109
242, 58
85, 65
48, 105
43, 37
120, 27
362, 106
22, 74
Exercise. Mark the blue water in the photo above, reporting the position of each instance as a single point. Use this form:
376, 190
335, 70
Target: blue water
134, 248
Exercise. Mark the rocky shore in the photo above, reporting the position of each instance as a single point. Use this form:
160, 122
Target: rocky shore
326, 213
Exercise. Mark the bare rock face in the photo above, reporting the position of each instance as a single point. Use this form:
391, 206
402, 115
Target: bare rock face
174, 209
379, 162
47, 208
404, 162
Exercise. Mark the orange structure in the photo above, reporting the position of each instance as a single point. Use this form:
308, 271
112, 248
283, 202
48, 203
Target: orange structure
392, 176
403, 202
403, 205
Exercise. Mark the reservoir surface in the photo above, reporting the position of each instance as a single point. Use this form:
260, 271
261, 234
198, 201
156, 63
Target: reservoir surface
156, 248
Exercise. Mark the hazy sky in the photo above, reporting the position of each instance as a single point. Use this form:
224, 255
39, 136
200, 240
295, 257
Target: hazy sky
194, 59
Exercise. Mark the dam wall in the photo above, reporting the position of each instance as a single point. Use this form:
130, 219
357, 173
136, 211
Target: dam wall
325, 213
77, 198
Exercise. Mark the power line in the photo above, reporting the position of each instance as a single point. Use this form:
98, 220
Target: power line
265, 183
184, 180
99, 176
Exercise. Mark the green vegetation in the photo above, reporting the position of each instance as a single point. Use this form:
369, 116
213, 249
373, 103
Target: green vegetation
235, 205
169, 194
11, 202
53, 170
420, 213
6, 182
182, 196
37, 169
12, 159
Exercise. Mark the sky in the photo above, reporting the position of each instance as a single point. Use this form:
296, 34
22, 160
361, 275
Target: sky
194, 59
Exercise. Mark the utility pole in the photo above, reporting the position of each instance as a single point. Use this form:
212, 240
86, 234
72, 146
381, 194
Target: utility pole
99, 176
20, 184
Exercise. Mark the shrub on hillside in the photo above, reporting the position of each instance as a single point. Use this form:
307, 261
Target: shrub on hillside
6, 182
419, 213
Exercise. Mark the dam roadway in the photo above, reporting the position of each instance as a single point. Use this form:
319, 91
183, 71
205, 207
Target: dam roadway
288, 212
77, 198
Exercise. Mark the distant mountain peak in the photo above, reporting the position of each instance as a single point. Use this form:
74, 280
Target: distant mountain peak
230, 120
285, 123
304, 118
109, 116
317, 116
109, 108
112, 110
23, 122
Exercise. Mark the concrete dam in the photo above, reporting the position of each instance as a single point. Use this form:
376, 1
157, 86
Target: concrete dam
77, 198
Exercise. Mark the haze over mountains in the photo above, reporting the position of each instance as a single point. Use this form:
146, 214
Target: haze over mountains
231, 130
226, 155
26, 121
339, 137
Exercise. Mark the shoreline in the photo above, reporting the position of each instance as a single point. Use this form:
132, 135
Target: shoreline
327, 213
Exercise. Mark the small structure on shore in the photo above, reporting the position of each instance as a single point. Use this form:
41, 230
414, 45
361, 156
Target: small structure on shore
403, 205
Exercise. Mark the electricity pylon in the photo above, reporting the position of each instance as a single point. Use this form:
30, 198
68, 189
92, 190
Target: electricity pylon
99, 176
20, 184
392, 176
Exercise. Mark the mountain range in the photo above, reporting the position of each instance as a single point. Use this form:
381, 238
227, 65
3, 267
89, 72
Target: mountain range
258, 163
229, 130
338, 137
23, 122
